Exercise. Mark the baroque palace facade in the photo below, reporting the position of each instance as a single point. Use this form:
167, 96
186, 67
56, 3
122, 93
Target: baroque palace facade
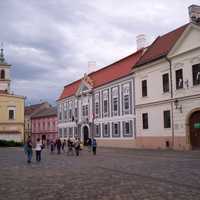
150, 99
11, 107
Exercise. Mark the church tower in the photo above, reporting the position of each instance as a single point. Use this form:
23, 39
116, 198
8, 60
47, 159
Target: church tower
4, 74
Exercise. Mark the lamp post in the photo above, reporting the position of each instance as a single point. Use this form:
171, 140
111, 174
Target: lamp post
177, 106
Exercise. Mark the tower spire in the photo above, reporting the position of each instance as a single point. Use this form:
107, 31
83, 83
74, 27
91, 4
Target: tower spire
2, 59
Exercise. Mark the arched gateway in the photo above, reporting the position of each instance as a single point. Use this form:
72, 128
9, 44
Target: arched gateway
194, 124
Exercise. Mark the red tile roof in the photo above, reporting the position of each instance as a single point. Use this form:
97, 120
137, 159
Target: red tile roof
105, 75
161, 46
32, 108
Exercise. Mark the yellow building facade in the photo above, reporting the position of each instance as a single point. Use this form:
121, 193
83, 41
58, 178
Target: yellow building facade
11, 107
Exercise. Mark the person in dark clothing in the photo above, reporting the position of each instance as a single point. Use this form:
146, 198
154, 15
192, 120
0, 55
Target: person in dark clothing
77, 146
29, 149
52, 146
94, 146
63, 145
58, 144
70, 147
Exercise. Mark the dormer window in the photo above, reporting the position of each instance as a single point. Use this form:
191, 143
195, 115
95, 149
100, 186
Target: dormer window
179, 79
2, 74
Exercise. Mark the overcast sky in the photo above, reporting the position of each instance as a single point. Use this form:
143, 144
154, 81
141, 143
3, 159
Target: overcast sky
49, 42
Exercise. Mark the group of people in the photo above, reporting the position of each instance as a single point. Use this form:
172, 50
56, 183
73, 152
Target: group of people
71, 145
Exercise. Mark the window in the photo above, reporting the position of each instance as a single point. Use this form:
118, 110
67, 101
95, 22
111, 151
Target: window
115, 105
54, 125
106, 130
85, 110
126, 98
145, 120
127, 128
167, 120
76, 132
105, 103
65, 110
97, 109
105, 106
116, 129
165, 78
97, 106
2, 74
11, 113
70, 113
60, 132
65, 132
70, 132
144, 88
196, 74
76, 112
179, 79
126, 102
43, 125
60, 112
97, 130
48, 124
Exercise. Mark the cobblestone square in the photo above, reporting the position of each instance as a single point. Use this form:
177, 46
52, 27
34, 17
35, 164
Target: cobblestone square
113, 174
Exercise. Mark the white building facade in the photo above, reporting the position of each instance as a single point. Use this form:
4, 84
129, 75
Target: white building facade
101, 108
168, 92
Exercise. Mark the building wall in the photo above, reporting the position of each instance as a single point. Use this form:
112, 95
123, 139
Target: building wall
44, 126
112, 117
184, 55
15, 125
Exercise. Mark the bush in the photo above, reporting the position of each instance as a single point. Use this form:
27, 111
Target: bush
11, 143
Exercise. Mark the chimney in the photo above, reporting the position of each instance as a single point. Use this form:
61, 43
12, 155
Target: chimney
141, 41
194, 14
91, 66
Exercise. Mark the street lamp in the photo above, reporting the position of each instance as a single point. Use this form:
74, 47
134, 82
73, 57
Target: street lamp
177, 106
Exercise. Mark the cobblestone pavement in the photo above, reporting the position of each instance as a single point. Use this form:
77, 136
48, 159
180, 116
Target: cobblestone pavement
113, 174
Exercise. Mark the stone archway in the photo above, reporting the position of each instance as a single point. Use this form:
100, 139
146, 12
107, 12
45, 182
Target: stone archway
194, 129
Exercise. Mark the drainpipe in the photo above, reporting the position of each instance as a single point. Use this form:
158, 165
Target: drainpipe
172, 96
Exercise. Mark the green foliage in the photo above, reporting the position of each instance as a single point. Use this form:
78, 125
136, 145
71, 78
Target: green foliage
11, 143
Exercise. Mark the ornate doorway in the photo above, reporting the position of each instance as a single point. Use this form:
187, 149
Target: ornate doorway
194, 124
85, 134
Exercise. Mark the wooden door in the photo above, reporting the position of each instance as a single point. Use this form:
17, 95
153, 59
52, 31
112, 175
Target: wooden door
195, 130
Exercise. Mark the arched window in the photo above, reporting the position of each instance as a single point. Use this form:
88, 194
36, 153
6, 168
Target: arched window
2, 74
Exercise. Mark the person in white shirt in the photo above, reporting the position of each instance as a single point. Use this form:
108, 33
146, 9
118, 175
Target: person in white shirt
38, 150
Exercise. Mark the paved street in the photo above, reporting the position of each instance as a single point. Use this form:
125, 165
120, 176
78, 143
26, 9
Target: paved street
115, 174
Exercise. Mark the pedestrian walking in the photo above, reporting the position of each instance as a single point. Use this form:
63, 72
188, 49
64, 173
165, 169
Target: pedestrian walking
70, 147
58, 144
38, 150
63, 145
28, 149
89, 144
94, 146
77, 146
52, 145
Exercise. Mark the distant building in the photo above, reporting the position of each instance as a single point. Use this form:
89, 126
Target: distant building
11, 107
44, 124
29, 112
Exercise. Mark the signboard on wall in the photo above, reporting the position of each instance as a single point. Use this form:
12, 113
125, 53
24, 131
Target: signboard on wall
197, 125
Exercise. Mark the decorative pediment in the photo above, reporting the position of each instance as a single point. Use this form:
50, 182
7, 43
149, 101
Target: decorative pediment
85, 86
188, 41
